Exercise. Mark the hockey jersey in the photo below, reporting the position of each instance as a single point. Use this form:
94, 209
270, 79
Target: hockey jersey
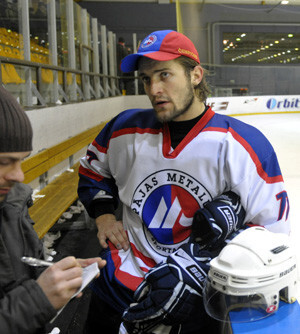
161, 188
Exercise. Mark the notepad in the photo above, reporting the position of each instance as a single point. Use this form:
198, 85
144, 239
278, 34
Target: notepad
89, 273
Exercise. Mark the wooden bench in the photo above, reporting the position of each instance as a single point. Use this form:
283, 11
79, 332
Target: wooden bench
57, 196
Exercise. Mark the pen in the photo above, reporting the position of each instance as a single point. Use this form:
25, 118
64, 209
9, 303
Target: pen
31, 261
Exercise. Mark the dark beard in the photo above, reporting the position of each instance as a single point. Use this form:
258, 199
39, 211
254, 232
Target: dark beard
178, 112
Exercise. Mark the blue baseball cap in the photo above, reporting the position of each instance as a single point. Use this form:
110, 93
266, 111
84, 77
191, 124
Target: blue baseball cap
161, 45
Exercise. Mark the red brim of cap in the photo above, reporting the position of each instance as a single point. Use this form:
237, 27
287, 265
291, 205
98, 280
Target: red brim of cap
130, 62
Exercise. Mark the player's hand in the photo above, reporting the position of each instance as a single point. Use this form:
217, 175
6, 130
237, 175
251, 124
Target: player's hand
109, 228
61, 281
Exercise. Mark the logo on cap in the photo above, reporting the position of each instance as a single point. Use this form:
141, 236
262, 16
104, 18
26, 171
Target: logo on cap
149, 41
188, 53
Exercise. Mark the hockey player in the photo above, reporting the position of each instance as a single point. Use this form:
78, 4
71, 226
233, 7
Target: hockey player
170, 166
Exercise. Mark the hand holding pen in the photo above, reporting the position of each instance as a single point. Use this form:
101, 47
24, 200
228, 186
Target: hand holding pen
61, 280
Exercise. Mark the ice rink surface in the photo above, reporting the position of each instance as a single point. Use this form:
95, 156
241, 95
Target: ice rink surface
283, 131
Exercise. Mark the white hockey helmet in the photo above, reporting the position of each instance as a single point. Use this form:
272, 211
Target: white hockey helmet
250, 274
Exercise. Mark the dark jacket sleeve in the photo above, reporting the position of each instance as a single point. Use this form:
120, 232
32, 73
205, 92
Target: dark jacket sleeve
25, 309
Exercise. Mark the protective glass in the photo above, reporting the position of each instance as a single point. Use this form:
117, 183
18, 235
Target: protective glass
235, 309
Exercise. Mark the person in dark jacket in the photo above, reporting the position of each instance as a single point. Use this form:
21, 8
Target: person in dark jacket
126, 83
29, 297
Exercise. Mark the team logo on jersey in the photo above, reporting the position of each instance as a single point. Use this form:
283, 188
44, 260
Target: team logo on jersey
149, 41
166, 202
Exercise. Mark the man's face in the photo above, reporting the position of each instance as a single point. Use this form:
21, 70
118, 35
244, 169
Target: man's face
169, 89
10, 171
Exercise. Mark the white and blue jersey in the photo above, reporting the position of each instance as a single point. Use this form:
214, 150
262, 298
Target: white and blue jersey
161, 188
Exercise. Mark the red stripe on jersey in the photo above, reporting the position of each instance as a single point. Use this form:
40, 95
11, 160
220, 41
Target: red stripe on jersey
253, 225
89, 173
135, 130
147, 260
132, 282
261, 172
170, 154
99, 147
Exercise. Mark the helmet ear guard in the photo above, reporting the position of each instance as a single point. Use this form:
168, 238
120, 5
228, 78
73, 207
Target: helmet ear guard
250, 275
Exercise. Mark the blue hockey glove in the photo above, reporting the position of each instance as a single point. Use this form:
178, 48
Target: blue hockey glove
170, 290
217, 220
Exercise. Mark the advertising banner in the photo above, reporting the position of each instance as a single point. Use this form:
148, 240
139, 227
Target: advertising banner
243, 105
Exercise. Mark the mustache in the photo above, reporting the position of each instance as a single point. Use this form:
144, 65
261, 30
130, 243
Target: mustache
157, 101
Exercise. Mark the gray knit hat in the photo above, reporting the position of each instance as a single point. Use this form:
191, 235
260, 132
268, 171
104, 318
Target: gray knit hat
15, 127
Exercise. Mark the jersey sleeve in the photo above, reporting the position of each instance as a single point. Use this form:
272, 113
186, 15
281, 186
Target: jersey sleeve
96, 183
266, 200
261, 184
252, 170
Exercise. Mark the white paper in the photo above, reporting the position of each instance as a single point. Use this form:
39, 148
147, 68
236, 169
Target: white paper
89, 273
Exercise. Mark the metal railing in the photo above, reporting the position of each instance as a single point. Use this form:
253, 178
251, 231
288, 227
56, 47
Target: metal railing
36, 84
